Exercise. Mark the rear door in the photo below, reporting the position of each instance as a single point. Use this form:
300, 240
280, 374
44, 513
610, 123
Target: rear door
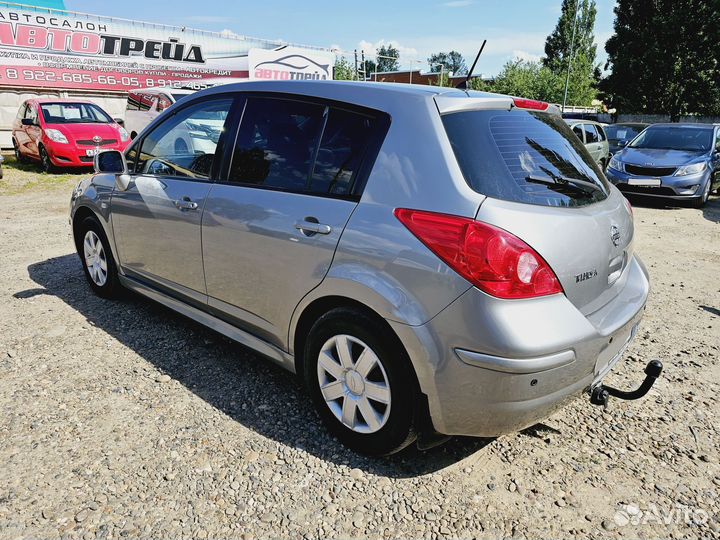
156, 221
271, 228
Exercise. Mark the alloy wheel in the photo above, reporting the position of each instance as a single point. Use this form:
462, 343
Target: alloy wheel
354, 384
95, 258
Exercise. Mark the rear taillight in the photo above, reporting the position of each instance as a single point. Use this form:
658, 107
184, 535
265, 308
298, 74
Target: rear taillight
492, 259
532, 104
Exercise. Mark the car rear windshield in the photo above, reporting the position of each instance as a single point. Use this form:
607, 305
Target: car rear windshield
524, 156
74, 113
688, 139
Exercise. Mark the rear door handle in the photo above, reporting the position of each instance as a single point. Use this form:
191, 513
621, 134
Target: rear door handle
310, 228
186, 203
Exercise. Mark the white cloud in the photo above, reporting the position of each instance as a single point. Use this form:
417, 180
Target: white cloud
458, 3
406, 53
526, 56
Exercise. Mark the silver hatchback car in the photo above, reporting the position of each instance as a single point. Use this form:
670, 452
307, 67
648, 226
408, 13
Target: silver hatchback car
427, 260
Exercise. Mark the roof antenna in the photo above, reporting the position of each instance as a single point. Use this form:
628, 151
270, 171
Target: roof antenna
464, 84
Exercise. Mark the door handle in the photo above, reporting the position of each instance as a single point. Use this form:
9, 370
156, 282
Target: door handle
310, 228
186, 203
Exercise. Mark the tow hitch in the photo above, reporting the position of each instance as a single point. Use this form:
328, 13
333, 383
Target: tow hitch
600, 394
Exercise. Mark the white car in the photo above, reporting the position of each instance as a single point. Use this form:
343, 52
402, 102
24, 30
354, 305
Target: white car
145, 104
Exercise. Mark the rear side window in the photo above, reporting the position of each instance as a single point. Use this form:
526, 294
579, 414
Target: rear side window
299, 146
341, 150
524, 156
591, 134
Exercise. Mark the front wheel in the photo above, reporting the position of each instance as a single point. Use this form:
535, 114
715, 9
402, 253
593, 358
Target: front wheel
699, 202
98, 263
18, 155
45, 162
361, 382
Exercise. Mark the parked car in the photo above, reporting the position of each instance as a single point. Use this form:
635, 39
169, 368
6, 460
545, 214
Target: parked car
64, 133
425, 274
675, 161
1, 162
619, 135
143, 106
593, 136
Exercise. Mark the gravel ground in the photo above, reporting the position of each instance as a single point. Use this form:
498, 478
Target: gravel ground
122, 419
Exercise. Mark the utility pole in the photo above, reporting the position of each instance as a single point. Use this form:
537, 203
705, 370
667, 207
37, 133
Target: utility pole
572, 47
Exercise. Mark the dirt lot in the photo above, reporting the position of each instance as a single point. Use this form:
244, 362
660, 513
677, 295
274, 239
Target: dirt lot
122, 419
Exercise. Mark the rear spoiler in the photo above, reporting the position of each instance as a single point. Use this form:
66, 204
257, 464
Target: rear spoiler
454, 103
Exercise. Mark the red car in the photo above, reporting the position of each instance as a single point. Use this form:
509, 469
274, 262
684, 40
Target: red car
64, 133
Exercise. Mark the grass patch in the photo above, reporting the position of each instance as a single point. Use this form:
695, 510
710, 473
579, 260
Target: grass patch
27, 177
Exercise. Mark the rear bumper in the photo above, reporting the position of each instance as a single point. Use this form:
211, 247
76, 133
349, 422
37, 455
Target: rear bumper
491, 366
673, 187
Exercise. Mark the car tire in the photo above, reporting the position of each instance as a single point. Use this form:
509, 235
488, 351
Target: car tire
368, 405
96, 256
18, 155
699, 202
46, 163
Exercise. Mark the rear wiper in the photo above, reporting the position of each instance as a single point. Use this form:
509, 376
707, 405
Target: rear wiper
579, 185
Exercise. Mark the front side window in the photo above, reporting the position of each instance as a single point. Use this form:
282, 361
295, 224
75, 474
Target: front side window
184, 144
277, 142
524, 156
74, 113
591, 134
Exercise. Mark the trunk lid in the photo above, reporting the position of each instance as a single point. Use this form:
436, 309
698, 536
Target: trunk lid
588, 247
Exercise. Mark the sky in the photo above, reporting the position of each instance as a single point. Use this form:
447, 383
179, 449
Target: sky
513, 28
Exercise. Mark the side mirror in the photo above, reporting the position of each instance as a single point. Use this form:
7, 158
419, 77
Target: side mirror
119, 121
113, 162
27, 122
623, 143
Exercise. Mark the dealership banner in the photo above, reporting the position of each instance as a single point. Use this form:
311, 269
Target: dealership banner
290, 63
64, 50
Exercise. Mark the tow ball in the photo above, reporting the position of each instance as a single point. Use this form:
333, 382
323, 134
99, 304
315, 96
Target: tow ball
600, 394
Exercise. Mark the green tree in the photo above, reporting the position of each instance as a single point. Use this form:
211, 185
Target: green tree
530, 80
387, 58
370, 66
452, 61
560, 42
343, 70
442, 79
561, 51
665, 57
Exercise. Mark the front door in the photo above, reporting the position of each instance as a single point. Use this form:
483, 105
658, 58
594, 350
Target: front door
270, 230
156, 221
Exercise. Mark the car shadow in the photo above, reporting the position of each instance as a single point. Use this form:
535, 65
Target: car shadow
711, 210
233, 379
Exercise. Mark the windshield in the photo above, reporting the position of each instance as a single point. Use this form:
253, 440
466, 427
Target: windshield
622, 133
74, 113
524, 156
675, 138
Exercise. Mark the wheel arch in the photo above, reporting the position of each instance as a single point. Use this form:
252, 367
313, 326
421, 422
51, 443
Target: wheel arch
319, 307
80, 215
